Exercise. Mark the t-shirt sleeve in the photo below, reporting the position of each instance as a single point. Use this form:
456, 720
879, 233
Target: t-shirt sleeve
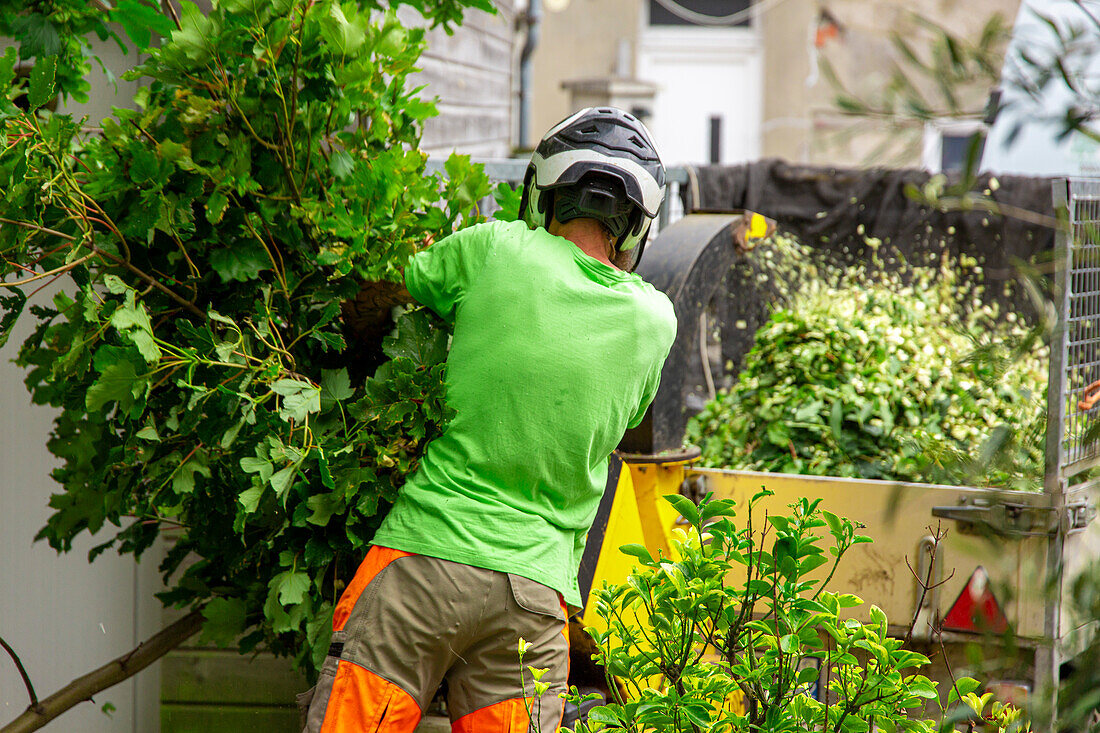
664, 336
652, 383
439, 276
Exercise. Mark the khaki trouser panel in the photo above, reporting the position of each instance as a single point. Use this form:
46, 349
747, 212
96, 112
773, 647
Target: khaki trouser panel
408, 621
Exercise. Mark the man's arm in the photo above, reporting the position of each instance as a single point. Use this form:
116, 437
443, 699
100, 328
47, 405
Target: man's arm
369, 313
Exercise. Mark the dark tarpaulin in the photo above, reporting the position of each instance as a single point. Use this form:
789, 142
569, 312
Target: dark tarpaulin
826, 207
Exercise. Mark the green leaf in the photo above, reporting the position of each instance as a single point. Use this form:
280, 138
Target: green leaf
148, 433
144, 166
38, 37
118, 382
778, 434
849, 600
262, 466
963, 686
717, 508
344, 35
289, 387
781, 523
393, 38
323, 506
183, 480
140, 21
466, 182
811, 563
12, 305
836, 420
335, 387
297, 406
685, 506
132, 321
250, 498
291, 586
224, 621
7, 67
215, 208
43, 86
508, 198
638, 551
240, 262
281, 479
299, 398
808, 675
416, 338
923, 688
192, 43
115, 285
341, 164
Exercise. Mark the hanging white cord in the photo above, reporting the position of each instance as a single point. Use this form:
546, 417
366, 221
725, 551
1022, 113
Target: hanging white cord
703, 19
704, 356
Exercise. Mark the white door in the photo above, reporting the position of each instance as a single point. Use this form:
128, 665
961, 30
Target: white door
709, 103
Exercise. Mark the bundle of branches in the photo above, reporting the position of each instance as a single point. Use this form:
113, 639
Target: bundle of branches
194, 349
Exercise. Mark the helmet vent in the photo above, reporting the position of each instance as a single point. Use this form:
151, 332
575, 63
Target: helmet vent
590, 130
634, 139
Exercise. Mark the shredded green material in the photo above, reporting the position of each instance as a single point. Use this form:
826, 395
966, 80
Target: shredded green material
904, 375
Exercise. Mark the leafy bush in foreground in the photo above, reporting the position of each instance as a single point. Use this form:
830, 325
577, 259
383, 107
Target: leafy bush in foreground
737, 632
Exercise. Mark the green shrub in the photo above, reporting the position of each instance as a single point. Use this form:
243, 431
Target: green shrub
739, 613
903, 375
204, 380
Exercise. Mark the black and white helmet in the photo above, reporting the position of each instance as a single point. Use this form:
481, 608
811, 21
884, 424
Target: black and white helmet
599, 163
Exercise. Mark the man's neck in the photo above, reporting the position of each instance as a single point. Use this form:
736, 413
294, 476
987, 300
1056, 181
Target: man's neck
589, 236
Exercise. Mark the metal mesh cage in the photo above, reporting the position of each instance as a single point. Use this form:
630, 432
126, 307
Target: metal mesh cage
1080, 350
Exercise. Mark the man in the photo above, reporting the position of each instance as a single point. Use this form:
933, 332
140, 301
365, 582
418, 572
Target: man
556, 352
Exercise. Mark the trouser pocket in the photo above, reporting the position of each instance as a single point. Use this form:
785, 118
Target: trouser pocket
313, 702
530, 595
302, 700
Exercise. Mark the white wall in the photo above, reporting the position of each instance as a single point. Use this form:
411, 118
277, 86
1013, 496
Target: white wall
470, 75
62, 615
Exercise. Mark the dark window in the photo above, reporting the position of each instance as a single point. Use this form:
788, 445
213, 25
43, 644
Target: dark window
716, 139
659, 14
955, 149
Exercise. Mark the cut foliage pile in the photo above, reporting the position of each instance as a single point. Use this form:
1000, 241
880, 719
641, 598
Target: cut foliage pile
902, 375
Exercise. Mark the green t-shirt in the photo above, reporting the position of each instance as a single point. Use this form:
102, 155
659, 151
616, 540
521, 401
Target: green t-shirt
554, 355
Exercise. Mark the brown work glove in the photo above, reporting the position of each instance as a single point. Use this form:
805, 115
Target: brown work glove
367, 316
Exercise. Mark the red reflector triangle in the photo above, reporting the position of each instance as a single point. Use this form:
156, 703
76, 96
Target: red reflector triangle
976, 609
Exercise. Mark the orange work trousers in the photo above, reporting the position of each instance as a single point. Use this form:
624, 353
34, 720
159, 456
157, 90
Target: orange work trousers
406, 622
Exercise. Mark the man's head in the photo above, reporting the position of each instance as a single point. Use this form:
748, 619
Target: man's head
600, 163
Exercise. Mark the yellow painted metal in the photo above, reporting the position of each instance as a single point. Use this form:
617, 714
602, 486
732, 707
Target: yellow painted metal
624, 526
898, 516
639, 515
654, 479
758, 226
